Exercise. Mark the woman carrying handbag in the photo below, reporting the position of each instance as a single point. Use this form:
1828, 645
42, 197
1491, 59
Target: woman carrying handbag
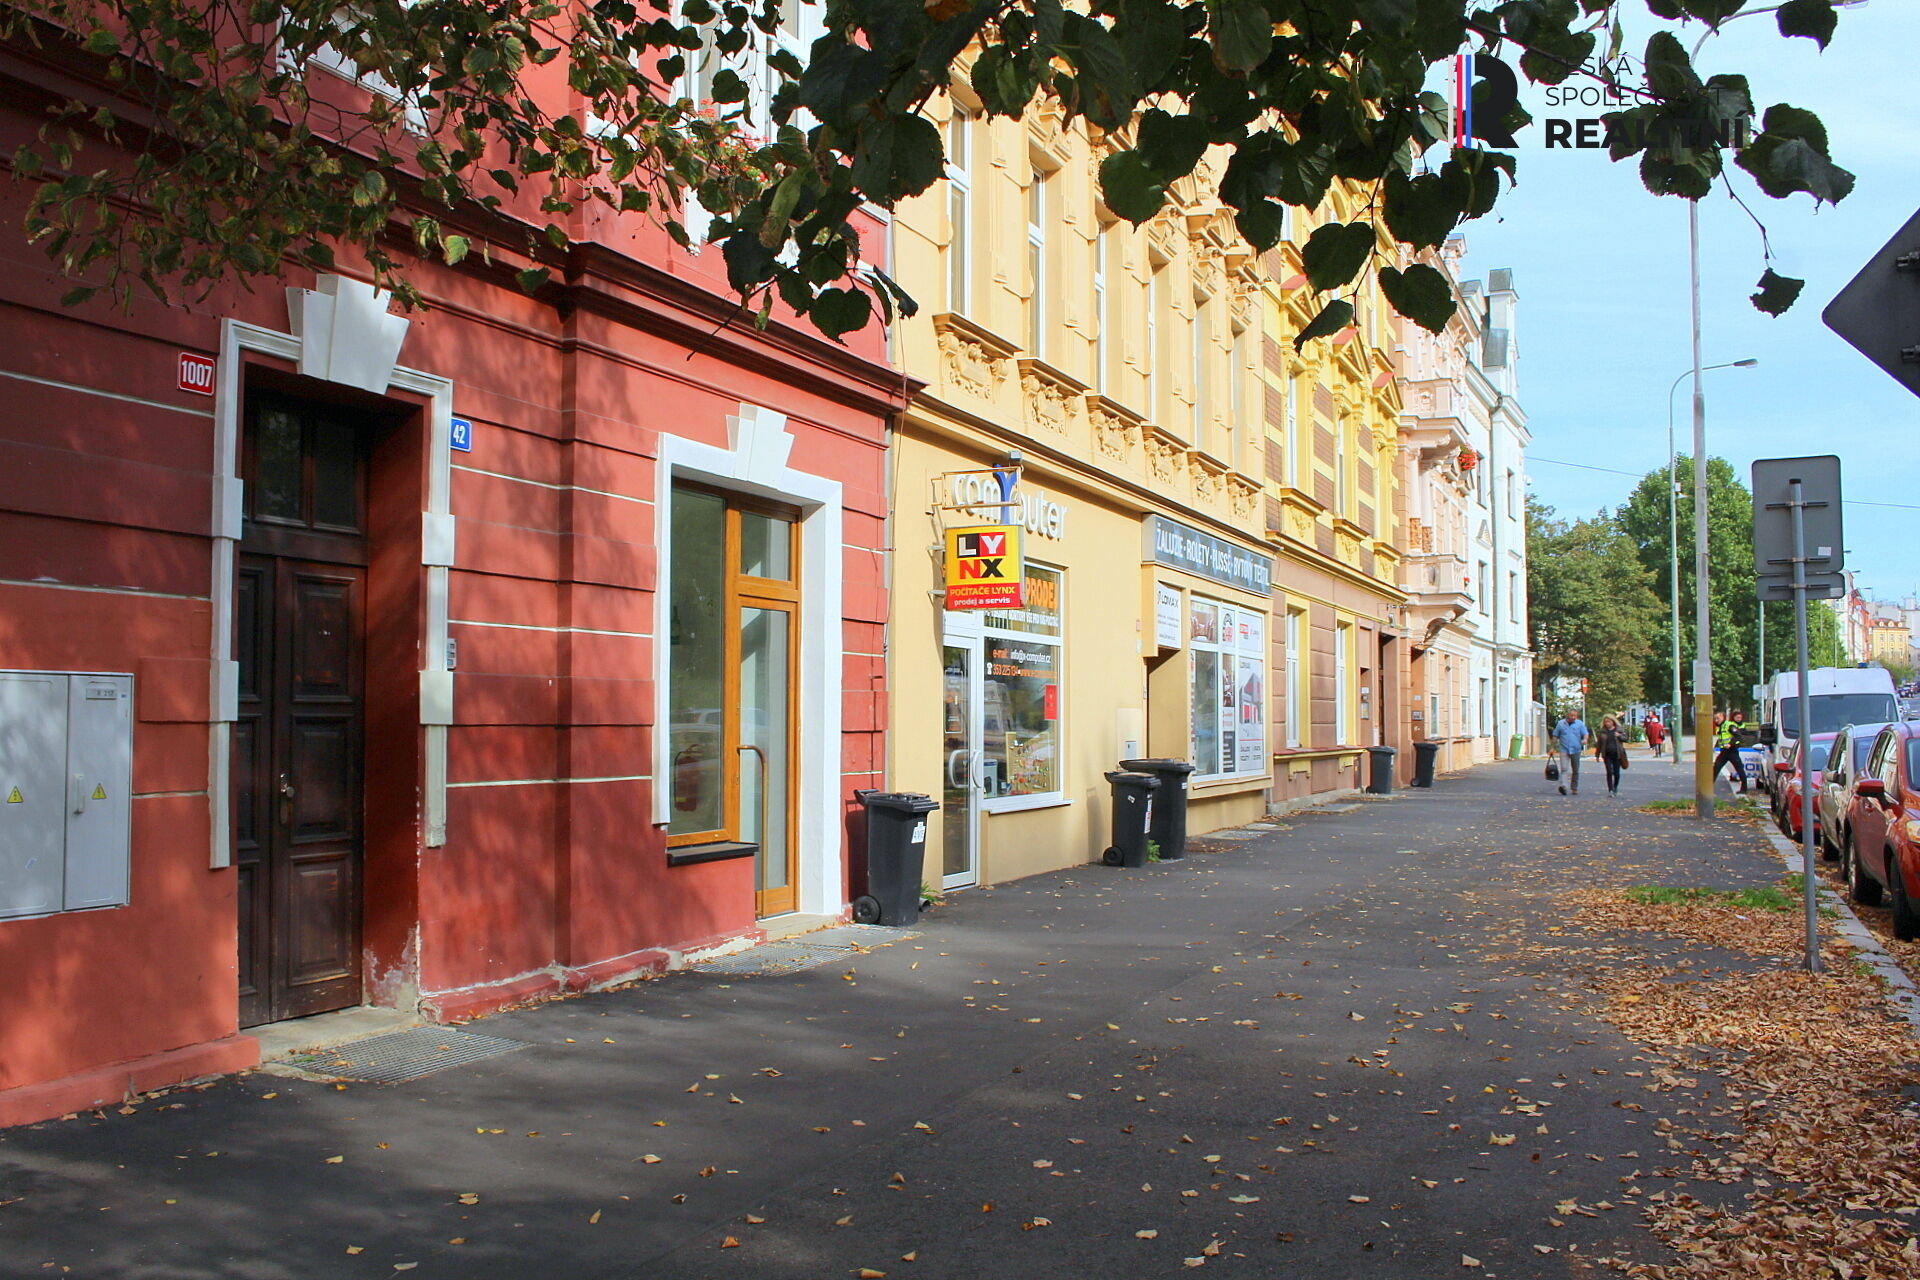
1610, 747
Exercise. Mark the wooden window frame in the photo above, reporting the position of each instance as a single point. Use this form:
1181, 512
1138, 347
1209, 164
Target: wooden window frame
740, 591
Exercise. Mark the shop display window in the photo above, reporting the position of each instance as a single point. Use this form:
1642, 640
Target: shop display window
1226, 654
1020, 717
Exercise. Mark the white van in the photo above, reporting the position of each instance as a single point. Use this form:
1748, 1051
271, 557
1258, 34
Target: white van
1841, 696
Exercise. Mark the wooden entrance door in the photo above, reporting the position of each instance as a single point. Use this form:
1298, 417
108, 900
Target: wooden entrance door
299, 629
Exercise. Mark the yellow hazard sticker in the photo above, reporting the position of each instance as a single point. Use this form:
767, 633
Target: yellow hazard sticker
99, 791
14, 797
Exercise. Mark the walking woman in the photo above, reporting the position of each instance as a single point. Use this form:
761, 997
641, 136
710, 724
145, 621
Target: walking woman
1611, 748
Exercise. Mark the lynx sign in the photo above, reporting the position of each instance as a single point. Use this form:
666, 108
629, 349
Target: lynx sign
983, 567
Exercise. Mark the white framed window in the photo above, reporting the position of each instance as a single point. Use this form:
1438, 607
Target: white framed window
1343, 683
1238, 428
1340, 468
1226, 662
1292, 404
1102, 301
1486, 707
1197, 371
1154, 296
330, 59
1298, 712
960, 128
1038, 267
801, 22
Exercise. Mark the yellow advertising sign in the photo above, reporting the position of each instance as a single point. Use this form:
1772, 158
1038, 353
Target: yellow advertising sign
984, 569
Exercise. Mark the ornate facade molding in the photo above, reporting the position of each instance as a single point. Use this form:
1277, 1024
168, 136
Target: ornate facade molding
1053, 401
972, 359
1166, 457
1116, 431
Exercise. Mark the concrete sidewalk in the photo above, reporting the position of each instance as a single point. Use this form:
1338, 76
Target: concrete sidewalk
1308, 1053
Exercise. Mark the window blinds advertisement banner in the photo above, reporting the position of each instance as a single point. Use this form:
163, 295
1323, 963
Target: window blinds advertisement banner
1183, 547
1225, 648
983, 567
1251, 694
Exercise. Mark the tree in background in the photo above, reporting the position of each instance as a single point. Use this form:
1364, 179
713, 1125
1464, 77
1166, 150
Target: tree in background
1591, 608
1731, 598
226, 160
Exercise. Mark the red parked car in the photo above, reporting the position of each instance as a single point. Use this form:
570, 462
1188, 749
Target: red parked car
1846, 764
1786, 789
1883, 826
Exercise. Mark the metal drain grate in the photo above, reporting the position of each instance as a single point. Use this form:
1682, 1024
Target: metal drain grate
815, 949
404, 1055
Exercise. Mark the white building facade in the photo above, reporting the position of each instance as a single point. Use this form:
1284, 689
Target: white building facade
1464, 439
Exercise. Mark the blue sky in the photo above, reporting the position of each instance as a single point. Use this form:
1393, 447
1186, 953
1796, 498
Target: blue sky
1601, 269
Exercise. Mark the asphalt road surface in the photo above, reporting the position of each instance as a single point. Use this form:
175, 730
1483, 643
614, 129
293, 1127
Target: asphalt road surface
1351, 1046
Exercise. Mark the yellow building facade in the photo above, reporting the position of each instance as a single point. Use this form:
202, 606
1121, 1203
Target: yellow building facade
1117, 372
1335, 517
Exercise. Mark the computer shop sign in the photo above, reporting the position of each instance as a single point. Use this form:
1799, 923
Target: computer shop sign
1592, 108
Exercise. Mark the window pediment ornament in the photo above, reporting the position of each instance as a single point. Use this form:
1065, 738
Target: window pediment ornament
971, 358
1208, 276
1166, 457
1243, 495
1053, 400
1163, 238
1209, 480
1116, 432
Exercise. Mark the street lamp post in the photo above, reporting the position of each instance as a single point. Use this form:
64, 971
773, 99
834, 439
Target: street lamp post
1673, 546
1703, 655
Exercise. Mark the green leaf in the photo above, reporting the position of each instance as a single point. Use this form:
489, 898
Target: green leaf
1782, 166
840, 311
455, 248
531, 279
1391, 16
1152, 35
780, 206
1422, 211
1814, 19
1262, 224
1775, 293
1794, 122
1333, 317
1335, 252
1713, 12
1670, 72
1241, 33
370, 190
898, 155
1420, 293
1130, 188
1170, 145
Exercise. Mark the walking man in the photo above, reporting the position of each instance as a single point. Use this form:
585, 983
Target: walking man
1729, 740
1570, 735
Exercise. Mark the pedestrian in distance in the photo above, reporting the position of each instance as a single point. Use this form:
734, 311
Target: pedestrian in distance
1727, 737
1656, 734
1570, 735
1610, 748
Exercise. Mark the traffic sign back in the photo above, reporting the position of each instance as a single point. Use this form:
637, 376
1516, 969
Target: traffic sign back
1879, 310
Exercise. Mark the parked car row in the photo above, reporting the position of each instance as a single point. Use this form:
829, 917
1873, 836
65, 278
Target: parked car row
1866, 784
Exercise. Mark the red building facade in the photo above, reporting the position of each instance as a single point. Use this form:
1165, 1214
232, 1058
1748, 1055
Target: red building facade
509, 647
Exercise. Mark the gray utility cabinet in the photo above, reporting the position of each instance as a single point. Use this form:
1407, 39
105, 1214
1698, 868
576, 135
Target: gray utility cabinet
66, 791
